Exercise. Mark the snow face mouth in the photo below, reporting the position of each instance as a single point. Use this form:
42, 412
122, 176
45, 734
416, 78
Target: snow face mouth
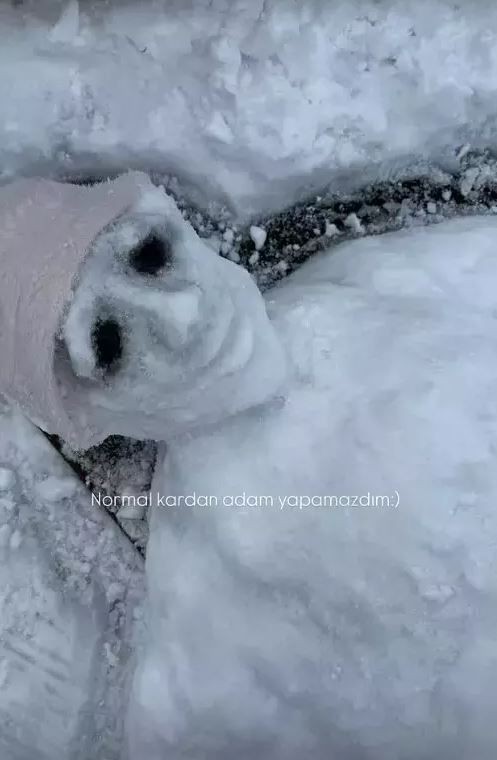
107, 343
160, 326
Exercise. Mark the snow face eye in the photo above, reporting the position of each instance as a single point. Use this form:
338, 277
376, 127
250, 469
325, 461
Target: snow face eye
151, 255
107, 344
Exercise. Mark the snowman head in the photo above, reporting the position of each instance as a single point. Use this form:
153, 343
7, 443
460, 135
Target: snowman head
162, 335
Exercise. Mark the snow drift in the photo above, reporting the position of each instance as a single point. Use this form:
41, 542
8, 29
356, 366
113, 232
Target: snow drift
251, 103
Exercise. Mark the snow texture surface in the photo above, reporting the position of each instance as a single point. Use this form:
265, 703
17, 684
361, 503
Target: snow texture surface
71, 589
252, 103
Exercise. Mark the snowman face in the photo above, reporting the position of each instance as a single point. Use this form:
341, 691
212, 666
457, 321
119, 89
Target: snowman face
162, 334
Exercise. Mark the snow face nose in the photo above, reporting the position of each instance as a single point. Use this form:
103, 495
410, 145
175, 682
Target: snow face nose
156, 315
107, 343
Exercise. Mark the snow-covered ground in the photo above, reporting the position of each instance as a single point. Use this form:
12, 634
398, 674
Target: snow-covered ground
70, 596
251, 103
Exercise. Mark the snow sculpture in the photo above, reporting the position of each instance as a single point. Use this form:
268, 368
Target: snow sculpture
164, 334
321, 565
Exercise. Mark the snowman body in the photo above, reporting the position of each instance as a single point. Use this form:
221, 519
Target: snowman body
331, 591
321, 564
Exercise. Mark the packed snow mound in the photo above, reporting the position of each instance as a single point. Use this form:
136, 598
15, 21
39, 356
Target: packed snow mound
71, 587
251, 103
322, 572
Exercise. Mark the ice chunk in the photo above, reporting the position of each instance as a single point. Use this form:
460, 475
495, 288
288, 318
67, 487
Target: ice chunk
331, 230
353, 222
259, 236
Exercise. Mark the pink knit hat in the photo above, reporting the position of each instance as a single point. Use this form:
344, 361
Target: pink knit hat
46, 229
